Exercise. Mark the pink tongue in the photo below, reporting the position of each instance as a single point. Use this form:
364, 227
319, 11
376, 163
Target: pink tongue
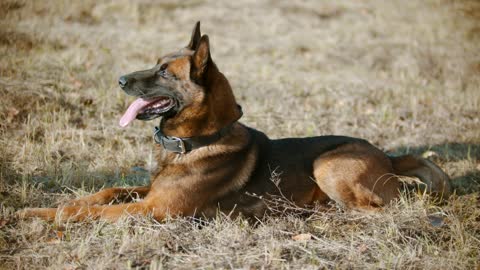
132, 111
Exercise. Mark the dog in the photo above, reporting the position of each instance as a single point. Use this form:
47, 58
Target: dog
210, 162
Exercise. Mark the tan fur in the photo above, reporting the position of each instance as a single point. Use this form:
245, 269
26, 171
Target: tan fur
358, 176
110, 194
180, 68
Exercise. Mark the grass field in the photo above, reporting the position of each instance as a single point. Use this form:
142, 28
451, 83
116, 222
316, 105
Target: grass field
403, 74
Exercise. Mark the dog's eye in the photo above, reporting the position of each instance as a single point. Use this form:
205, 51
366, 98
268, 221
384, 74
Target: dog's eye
163, 70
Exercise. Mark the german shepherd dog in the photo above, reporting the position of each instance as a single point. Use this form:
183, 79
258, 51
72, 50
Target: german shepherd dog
208, 161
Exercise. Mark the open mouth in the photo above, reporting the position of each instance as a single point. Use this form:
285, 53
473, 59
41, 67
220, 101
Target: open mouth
147, 109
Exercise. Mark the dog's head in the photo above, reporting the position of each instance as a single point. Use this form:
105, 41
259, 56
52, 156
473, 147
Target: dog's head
186, 88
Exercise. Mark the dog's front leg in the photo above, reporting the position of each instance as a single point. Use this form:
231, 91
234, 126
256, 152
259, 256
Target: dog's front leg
80, 213
108, 195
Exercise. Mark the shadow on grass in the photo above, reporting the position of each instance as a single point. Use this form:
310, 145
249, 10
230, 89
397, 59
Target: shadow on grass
22, 190
468, 179
91, 180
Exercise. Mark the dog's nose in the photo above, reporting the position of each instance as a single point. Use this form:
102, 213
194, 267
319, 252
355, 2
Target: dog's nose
122, 81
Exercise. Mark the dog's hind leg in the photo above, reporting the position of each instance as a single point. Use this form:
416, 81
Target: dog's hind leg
80, 213
436, 181
357, 175
111, 194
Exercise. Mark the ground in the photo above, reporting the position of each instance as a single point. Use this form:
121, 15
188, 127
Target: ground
404, 75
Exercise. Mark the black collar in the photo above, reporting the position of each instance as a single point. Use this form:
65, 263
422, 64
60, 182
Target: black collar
184, 145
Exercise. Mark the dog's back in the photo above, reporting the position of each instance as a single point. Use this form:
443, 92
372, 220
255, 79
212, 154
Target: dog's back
284, 167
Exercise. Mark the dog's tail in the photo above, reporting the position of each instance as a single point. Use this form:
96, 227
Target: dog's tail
434, 179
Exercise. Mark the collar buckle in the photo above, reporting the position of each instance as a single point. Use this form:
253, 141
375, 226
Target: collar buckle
161, 139
181, 144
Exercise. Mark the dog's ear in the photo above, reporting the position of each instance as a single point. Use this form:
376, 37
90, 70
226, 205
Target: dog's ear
196, 35
201, 58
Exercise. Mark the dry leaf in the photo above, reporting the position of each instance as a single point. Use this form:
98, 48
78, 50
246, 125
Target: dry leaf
302, 237
11, 113
362, 248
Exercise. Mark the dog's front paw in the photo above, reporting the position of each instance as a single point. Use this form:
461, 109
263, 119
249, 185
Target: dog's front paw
20, 214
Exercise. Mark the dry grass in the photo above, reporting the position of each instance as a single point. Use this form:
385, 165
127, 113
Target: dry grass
403, 74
